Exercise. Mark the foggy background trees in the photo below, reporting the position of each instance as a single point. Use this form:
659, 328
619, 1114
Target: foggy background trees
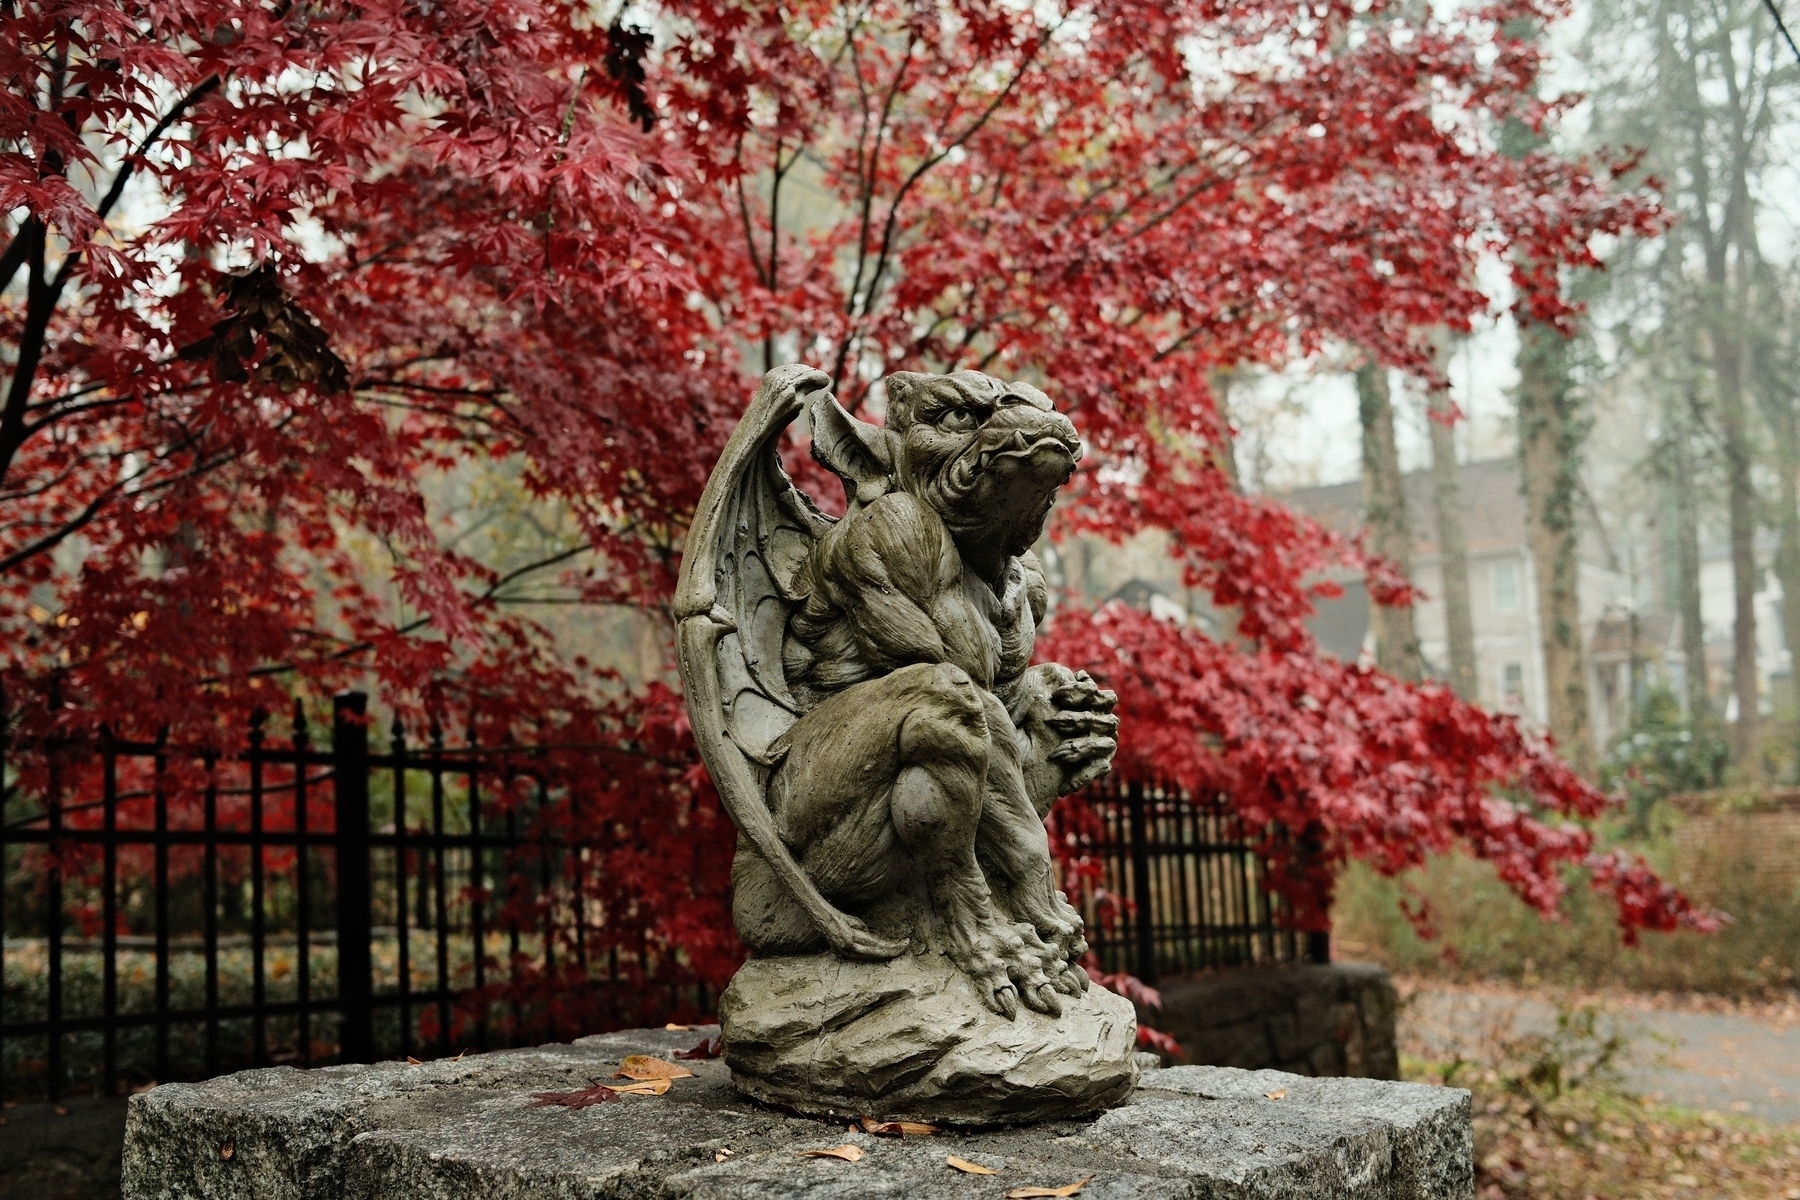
1650, 446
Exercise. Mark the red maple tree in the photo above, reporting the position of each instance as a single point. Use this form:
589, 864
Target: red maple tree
273, 267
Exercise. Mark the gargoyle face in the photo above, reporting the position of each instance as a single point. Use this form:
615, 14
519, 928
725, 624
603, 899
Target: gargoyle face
986, 456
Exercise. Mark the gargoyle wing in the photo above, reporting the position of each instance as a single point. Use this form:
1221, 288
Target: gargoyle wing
751, 533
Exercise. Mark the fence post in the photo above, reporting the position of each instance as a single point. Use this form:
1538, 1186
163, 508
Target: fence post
1318, 941
1140, 885
350, 783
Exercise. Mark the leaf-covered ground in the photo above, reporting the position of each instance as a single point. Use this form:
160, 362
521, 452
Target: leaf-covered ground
1553, 1121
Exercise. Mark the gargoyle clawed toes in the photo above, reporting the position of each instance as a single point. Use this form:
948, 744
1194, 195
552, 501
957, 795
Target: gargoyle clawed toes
862, 692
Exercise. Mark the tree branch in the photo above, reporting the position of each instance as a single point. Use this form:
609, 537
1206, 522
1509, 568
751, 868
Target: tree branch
43, 297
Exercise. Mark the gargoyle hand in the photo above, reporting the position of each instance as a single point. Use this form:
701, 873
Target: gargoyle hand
1069, 722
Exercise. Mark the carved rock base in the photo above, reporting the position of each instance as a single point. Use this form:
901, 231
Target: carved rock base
909, 1039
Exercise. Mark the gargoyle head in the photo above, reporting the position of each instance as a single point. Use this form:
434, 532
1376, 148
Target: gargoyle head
987, 456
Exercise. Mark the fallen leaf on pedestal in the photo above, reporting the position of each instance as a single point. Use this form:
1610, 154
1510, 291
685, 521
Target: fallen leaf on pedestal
1034, 1193
642, 1087
847, 1152
897, 1128
969, 1168
722, 1154
672, 1027
642, 1066
1277, 1094
585, 1098
413, 1062
705, 1049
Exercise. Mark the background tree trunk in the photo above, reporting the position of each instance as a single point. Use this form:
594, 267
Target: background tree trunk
1453, 545
1384, 511
1687, 533
1550, 436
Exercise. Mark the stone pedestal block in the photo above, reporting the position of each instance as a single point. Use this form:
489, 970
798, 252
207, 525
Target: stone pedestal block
1307, 1019
469, 1130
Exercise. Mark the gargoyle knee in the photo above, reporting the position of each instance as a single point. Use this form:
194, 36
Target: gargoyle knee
945, 722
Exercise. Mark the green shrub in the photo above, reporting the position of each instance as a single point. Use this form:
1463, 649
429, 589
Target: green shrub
1661, 754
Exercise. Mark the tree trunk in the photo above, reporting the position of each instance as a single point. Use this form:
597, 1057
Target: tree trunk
1693, 632
1741, 507
1453, 545
1550, 436
1787, 554
1220, 379
1384, 511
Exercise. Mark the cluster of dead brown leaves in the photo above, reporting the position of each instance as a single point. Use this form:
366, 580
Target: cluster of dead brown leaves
853, 1153
1028, 1192
646, 1076
1612, 1146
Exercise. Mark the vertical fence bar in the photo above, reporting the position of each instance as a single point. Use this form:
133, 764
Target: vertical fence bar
1318, 941
1140, 886
402, 932
109, 914
5, 749
443, 904
350, 784
302, 892
53, 920
209, 917
477, 899
160, 798
259, 1020
514, 881
546, 894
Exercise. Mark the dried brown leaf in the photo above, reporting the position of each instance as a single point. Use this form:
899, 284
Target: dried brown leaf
642, 1066
897, 1128
1034, 1193
672, 1027
585, 1098
847, 1152
705, 1049
969, 1168
413, 1062
642, 1087
1277, 1094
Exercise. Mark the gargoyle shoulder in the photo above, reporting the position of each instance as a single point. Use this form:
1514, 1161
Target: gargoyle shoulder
894, 541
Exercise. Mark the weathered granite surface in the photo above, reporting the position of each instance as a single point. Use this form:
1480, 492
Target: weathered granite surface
1308, 1019
831, 1037
457, 1130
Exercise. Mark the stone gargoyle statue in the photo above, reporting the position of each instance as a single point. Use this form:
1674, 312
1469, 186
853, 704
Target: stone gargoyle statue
862, 692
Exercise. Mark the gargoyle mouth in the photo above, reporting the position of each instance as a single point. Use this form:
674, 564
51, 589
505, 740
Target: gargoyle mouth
1048, 460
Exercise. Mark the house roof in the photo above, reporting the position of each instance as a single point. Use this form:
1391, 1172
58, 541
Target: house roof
1493, 506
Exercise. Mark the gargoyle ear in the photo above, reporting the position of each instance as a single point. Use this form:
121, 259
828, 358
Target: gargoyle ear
855, 451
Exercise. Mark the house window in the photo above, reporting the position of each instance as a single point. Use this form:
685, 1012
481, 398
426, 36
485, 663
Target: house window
1512, 685
1505, 579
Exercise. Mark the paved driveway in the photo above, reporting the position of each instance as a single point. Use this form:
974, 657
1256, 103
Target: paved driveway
1747, 1061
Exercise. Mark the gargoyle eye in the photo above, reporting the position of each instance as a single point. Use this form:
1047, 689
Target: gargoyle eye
960, 419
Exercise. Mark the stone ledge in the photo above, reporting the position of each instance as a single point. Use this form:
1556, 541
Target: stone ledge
457, 1130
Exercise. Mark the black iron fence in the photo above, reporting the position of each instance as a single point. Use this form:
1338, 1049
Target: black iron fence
1181, 886
171, 913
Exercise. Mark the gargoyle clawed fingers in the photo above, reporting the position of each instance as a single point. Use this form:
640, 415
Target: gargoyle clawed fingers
1083, 693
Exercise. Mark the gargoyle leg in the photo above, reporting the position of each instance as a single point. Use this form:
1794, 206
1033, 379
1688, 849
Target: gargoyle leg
1014, 852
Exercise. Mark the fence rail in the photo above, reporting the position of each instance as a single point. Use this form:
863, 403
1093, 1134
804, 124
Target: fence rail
172, 913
